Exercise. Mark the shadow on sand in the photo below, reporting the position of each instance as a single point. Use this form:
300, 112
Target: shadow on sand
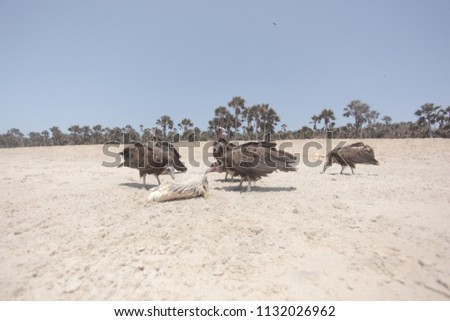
338, 174
138, 185
350, 174
257, 189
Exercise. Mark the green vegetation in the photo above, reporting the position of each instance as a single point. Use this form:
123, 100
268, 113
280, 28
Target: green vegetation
248, 123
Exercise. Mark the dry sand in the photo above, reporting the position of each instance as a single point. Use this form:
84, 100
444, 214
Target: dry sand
74, 230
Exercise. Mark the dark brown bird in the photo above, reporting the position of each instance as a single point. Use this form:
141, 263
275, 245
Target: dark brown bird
254, 160
155, 158
221, 145
356, 153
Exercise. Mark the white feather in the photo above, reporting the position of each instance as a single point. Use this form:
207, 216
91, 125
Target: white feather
179, 190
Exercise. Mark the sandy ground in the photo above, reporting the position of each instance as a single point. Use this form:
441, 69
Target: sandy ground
72, 229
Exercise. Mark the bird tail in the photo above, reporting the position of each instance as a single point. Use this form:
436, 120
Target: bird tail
284, 161
178, 165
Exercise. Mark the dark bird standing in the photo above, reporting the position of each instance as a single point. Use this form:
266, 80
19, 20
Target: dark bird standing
356, 153
155, 158
220, 147
253, 160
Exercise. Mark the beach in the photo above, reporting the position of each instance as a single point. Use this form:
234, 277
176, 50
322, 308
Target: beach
74, 229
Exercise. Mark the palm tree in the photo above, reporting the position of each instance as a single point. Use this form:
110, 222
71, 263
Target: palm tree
238, 104
252, 114
249, 115
113, 134
223, 117
314, 120
305, 133
97, 133
45, 138
327, 115
15, 138
130, 134
358, 110
165, 122
75, 134
147, 134
427, 115
372, 117
87, 135
268, 118
57, 136
186, 124
387, 120
35, 138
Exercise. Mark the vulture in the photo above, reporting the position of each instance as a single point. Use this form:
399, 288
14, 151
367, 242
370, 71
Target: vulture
220, 147
253, 160
155, 158
356, 153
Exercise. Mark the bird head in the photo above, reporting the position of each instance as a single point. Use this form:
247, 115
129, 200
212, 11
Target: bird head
216, 167
169, 170
220, 131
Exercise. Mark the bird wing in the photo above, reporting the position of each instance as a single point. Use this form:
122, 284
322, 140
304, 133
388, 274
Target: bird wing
166, 154
156, 155
133, 156
257, 158
270, 156
358, 153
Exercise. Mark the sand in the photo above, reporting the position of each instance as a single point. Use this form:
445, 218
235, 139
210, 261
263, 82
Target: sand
72, 229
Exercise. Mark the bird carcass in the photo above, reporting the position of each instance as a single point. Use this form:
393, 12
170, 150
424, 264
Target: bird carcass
179, 190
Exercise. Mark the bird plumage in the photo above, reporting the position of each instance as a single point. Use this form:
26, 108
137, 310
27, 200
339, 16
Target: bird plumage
180, 190
254, 160
154, 158
357, 153
221, 145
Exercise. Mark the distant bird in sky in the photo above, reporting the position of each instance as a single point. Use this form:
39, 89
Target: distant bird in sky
274, 23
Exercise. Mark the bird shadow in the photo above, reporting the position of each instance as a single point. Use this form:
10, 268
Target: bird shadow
138, 185
339, 174
350, 174
223, 180
258, 189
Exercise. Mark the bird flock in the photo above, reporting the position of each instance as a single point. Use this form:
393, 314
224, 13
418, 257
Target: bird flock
250, 161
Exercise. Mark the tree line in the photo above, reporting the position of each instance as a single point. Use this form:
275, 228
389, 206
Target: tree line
243, 122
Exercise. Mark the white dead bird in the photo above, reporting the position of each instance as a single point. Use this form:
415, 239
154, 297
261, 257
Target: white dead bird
180, 190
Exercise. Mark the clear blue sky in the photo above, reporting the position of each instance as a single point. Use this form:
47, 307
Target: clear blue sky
129, 62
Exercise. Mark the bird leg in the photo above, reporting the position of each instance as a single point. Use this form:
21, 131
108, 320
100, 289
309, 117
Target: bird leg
143, 178
343, 167
159, 182
352, 170
226, 177
240, 183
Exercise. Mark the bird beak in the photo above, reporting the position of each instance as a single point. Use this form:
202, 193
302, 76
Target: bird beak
214, 168
170, 171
